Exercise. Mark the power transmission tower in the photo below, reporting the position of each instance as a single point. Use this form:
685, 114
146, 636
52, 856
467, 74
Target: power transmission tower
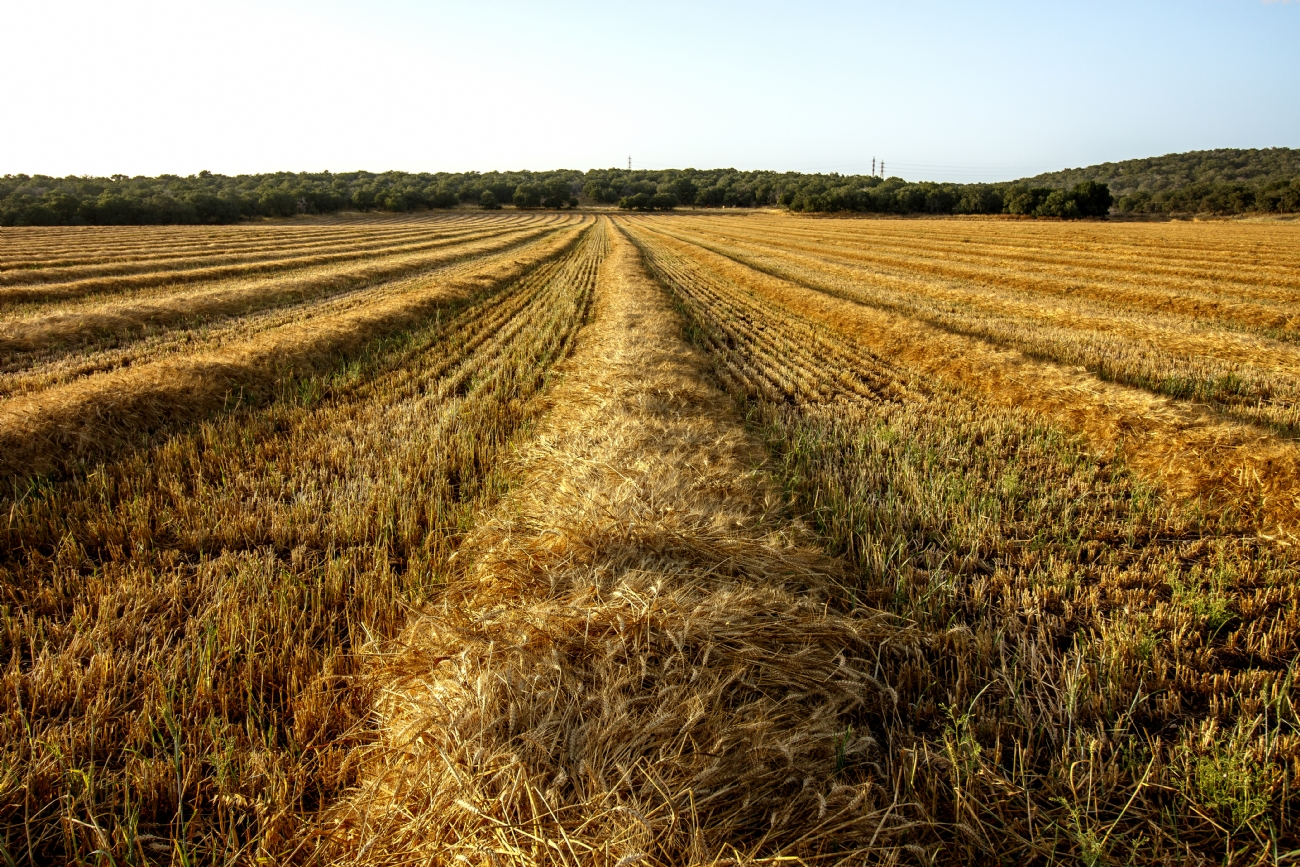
629, 162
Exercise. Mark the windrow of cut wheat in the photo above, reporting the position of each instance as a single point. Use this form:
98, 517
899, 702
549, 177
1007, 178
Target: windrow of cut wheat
1184, 445
183, 624
1117, 668
64, 346
635, 662
105, 404
1193, 335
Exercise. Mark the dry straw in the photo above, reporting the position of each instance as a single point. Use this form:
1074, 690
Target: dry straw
1189, 450
73, 264
53, 429
639, 657
53, 331
186, 621
638, 663
1110, 669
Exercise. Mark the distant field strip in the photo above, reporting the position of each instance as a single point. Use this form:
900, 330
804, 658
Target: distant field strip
50, 245
213, 243
1223, 260
1192, 450
56, 331
206, 255
175, 274
1062, 270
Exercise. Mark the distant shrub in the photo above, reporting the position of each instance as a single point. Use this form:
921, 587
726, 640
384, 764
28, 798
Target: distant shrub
528, 196
648, 202
444, 198
601, 193
1092, 198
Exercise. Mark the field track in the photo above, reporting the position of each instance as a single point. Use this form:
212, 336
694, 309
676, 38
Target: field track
551, 538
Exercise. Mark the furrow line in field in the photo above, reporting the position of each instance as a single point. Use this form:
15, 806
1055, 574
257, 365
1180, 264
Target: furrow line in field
1193, 452
25, 344
78, 421
1248, 378
229, 254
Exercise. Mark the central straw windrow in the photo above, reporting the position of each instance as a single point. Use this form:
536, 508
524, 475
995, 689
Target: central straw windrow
640, 660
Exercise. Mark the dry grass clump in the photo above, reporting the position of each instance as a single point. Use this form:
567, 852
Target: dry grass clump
182, 628
1117, 684
641, 719
54, 429
637, 663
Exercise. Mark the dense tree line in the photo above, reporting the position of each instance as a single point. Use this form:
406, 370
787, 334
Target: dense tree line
208, 198
897, 196
1223, 181
1174, 171
1280, 197
1182, 183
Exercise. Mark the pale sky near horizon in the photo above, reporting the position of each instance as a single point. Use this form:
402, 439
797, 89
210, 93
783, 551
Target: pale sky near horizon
939, 90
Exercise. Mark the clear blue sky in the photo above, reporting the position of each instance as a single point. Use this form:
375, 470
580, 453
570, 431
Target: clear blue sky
940, 90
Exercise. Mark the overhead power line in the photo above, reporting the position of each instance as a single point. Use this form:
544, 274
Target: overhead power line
877, 166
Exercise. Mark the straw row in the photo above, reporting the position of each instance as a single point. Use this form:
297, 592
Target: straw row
14, 295
60, 426
185, 623
1191, 452
1116, 675
636, 664
1247, 376
60, 332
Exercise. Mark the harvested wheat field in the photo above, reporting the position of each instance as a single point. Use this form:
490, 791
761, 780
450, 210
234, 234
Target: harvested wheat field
568, 539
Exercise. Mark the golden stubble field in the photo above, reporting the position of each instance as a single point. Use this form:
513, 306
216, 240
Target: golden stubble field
677, 539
